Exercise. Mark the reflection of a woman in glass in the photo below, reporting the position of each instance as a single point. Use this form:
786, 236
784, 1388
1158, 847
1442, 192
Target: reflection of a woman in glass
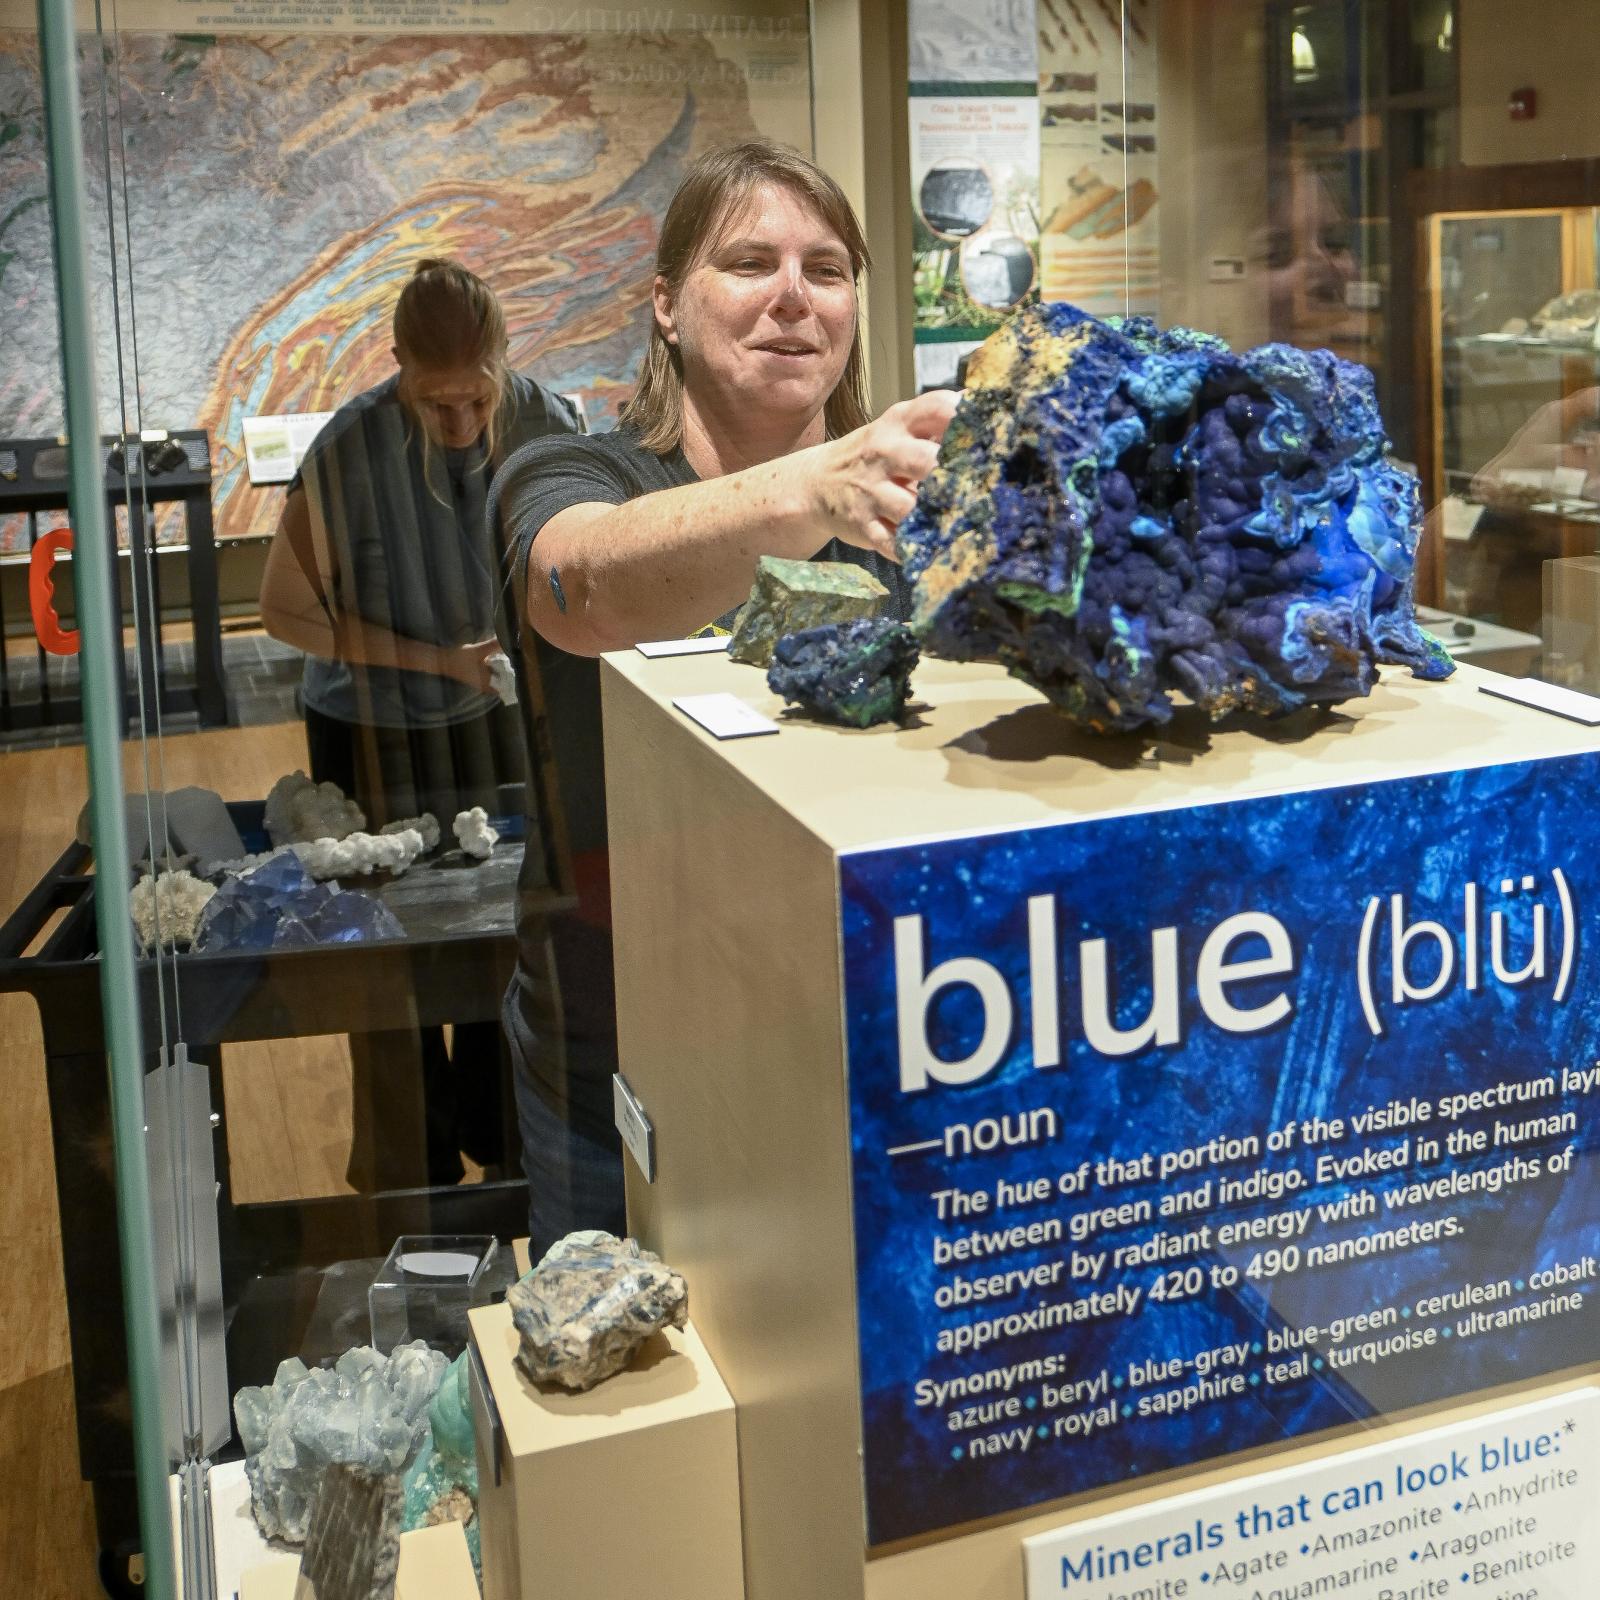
1308, 263
382, 572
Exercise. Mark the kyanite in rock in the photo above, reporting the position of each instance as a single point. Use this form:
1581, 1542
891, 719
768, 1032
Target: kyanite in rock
791, 595
857, 673
353, 1545
587, 1307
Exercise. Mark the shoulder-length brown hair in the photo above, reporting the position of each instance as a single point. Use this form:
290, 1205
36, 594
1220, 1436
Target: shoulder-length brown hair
713, 190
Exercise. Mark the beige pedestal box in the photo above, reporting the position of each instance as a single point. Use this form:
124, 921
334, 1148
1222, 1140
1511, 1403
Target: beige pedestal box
434, 1565
725, 898
629, 1490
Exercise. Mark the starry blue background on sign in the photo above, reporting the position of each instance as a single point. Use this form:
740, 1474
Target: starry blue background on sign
1312, 860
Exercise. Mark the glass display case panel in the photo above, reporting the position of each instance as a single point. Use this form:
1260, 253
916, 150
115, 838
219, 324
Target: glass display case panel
1516, 306
330, 1061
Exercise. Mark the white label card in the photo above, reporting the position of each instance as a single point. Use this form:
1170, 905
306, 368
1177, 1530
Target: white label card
634, 1126
1461, 517
1570, 703
1499, 1506
725, 716
684, 647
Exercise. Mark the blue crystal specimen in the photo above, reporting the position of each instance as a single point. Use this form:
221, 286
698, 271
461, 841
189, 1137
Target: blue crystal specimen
1120, 512
346, 917
279, 905
857, 673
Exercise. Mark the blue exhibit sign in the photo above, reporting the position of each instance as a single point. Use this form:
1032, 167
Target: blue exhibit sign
1180, 1133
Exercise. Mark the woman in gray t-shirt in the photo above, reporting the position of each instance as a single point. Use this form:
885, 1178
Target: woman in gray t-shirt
383, 573
382, 570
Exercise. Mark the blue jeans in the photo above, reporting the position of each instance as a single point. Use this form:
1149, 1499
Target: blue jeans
571, 1151
574, 1181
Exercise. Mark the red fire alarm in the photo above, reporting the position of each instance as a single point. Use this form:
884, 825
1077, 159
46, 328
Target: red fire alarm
1524, 105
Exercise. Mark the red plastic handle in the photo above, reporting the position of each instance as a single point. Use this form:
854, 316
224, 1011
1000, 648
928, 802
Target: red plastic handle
53, 637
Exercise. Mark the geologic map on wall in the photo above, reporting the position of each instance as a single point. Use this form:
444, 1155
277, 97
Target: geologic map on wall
319, 167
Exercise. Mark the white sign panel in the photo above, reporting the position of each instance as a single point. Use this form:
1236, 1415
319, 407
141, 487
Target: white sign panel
274, 447
1499, 1507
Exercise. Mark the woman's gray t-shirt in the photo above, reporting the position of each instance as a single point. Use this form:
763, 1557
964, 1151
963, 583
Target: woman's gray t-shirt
405, 523
574, 952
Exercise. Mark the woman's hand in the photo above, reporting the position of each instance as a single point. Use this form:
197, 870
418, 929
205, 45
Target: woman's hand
868, 479
469, 664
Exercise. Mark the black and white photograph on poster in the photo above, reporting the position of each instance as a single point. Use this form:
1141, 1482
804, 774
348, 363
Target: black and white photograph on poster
972, 41
975, 221
1099, 137
955, 197
997, 270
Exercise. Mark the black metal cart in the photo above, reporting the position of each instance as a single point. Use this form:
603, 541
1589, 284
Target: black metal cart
452, 966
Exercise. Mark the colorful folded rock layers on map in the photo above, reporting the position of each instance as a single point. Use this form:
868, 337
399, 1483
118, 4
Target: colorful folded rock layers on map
1120, 513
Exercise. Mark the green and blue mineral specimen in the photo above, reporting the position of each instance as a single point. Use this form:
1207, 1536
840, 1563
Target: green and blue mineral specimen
1120, 512
789, 596
856, 673
442, 1483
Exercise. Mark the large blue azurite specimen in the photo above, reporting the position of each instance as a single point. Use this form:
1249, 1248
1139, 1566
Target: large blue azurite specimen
1119, 512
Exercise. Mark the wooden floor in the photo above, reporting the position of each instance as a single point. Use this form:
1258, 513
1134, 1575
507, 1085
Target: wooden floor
47, 1538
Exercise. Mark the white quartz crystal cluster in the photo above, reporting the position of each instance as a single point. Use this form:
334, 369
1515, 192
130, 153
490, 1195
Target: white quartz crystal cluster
583, 1312
299, 810
474, 834
427, 825
359, 854
243, 864
166, 908
368, 1411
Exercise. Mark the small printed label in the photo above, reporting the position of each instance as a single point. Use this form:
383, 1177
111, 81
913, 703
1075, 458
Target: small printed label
725, 716
1571, 703
1461, 517
634, 1126
684, 647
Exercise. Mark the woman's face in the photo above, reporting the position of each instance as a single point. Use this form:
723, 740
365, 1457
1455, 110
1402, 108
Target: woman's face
454, 404
766, 318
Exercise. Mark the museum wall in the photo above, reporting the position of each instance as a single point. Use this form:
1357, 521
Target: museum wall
280, 185
1547, 45
1212, 177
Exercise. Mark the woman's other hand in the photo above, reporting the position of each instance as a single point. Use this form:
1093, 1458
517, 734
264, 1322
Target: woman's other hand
868, 479
469, 664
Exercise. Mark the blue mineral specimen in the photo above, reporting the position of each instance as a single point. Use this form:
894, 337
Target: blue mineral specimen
857, 672
442, 1483
280, 905
1119, 512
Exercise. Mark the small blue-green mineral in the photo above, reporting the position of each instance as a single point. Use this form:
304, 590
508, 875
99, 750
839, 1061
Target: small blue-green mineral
1120, 512
791, 595
442, 1485
857, 673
